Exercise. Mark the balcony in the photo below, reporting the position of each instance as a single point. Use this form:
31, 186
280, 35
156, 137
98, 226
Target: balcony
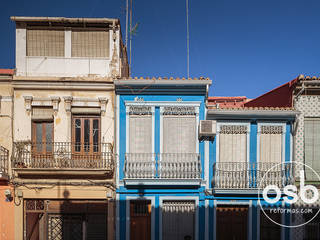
250, 176
64, 158
164, 168
4, 156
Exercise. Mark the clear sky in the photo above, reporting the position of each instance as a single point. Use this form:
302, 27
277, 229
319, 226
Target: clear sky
247, 47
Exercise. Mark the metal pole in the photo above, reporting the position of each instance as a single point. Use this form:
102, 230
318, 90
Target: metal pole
187, 11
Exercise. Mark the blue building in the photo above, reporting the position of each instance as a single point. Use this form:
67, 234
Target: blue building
161, 179
252, 149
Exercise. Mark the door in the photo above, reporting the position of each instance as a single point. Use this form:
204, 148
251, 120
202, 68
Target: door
140, 220
86, 142
42, 144
232, 222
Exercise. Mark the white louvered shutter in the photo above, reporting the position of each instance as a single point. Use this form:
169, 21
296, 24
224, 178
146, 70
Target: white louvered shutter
179, 134
140, 134
312, 147
232, 145
271, 144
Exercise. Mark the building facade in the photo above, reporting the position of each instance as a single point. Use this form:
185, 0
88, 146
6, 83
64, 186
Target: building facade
62, 161
162, 166
252, 149
6, 189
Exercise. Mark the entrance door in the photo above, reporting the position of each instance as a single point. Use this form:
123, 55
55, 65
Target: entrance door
232, 222
140, 220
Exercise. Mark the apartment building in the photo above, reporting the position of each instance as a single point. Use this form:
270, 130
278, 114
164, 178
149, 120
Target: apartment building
63, 157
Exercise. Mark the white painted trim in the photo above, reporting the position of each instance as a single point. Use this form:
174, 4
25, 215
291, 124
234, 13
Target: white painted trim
163, 103
220, 123
195, 198
250, 221
128, 198
117, 217
215, 219
283, 125
207, 227
206, 164
118, 139
258, 221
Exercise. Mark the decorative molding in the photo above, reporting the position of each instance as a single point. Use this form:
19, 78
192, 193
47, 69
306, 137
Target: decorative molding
140, 110
233, 129
103, 104
68, 102
100, 102
271, 129
179, 110
27, 102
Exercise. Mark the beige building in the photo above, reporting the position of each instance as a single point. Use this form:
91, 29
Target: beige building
63, 126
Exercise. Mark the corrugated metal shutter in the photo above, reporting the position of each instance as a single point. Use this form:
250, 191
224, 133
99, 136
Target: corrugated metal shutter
179, 134
90, 43
232, 147
45, 42
140, 134
42, 113
312, 147
178, 219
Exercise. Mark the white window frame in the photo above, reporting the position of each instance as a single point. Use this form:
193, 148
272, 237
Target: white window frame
230, 123
283, 125
180, 198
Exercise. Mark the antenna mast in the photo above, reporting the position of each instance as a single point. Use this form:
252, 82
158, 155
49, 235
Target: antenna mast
187, 12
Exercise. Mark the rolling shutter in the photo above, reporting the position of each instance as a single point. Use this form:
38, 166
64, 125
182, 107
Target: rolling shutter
312, 147
90, 43
45, 42
233, 143
271, 144
178, 220
140, 134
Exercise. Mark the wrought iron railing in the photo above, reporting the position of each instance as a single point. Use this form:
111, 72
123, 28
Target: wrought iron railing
4, 156
163, 166
243, 175
64, 155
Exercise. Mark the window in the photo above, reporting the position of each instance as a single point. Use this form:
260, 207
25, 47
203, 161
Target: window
179, 130
233, 143
312, 147
140, 132
45, 42
271, 144
93, 43
86, 134
42, 136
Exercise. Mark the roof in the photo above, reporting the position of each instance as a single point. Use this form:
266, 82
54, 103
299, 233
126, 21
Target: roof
162, 81
227, 102
6, 71
280, 97
64, 19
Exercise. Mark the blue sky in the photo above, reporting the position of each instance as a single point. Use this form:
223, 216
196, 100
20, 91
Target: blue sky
246, 47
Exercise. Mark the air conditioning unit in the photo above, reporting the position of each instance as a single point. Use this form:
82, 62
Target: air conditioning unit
207, 129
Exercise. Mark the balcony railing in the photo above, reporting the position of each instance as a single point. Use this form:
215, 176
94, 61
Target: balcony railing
62, 155
4, 156
242, 175
162, 166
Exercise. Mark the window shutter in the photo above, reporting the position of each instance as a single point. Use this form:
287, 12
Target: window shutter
90, 43
270, 148
312, 147
45, 42
140, 134
233, 143
179, 134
